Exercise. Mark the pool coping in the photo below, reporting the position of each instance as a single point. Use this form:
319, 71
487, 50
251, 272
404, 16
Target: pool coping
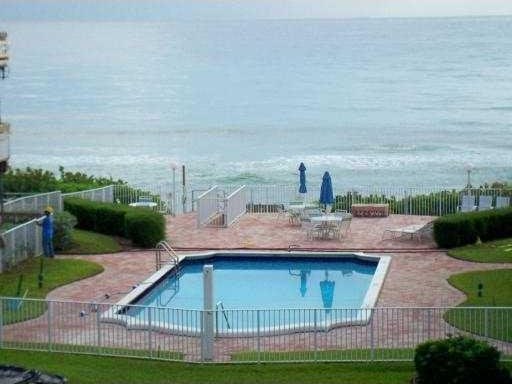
114, 315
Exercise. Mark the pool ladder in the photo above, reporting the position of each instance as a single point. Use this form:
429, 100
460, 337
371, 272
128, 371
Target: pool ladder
171, 257
220, 307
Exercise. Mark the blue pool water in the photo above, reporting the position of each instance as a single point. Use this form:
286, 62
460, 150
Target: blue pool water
283, 289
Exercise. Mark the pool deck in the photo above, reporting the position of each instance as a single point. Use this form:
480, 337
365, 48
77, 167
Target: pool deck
416, 277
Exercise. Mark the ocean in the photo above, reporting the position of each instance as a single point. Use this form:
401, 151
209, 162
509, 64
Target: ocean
381, 102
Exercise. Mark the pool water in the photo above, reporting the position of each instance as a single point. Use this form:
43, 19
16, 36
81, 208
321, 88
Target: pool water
292, 285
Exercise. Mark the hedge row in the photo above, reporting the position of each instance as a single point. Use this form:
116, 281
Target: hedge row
466, 228
144, 227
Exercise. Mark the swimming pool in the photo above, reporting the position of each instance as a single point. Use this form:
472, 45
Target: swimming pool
258, 292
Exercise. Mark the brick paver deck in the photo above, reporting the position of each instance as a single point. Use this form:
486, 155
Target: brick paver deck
416, 277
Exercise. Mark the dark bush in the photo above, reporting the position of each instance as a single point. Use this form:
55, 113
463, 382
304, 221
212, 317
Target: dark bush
459, 360
465, 228
144, 228
83, 210
110, 219
63, 225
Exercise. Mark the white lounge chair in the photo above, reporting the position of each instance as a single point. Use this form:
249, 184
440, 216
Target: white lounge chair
485, 203
418, 231
467, 204
502, 202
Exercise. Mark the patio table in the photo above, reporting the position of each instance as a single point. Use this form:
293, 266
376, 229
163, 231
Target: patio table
328, 222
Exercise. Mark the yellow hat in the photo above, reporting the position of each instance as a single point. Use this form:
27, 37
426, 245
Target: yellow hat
48, 209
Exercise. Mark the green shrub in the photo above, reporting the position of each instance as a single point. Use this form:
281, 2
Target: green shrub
110, 219
459, 360
83, 210
39, 180
63, 225
144, 228
465, 228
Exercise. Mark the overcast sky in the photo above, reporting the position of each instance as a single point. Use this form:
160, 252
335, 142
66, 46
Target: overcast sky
243, 9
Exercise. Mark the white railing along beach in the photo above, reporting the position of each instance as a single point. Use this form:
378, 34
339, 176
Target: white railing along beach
102, 194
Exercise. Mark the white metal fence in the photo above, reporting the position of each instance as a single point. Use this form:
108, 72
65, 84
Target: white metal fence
424, 201
35, 203
208, 206
103, 194
236, 205
20, 243
242, 335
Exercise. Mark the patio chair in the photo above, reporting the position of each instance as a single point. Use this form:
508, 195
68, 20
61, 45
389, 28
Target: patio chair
294, 218
163, 208
341, 230
467, 204
485, 203
502, 202
310, 212
281, 212
418, 231
314, 231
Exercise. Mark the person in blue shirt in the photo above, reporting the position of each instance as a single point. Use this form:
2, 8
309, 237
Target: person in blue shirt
47, 224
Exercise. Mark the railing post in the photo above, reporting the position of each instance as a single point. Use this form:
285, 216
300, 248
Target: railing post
49, 320
150, 346
409, 203
1, 323
428, 324
315, 330
486, 322
258, 341
372, 339
98, 329
439, 205
25, 241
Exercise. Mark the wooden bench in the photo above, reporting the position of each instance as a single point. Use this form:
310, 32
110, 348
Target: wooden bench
370, 210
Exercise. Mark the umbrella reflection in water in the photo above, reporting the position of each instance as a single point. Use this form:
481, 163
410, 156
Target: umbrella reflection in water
327, 290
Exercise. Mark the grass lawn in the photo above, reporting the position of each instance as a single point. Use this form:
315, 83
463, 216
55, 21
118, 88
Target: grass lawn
496, 292
57, 272
85, 369
333, 355
162, 354
499, 251
89, 243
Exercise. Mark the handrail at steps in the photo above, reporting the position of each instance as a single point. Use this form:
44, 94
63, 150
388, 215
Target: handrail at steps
220, 305
165, 247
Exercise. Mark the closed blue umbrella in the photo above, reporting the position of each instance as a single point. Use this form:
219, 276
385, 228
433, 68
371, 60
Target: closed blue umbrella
326, 195
302, 186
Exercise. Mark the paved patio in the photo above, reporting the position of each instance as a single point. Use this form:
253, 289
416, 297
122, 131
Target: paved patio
269, 231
